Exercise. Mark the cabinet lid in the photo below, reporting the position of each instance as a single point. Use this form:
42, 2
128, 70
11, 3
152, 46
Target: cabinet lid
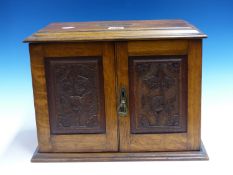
115, 31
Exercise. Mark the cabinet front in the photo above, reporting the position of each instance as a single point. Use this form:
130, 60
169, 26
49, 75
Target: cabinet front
117, 96
155, 74
79, 115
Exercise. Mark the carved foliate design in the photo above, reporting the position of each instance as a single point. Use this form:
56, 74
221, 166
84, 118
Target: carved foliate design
75, 92
158, 94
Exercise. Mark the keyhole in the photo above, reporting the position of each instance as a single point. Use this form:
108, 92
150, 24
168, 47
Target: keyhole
123, 93
122, 109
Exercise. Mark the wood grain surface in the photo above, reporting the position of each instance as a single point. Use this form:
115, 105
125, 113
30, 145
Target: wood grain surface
189, 140
119, 156
49, 142
111, 52
116, 30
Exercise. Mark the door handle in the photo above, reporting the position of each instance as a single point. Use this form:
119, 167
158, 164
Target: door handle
123, 107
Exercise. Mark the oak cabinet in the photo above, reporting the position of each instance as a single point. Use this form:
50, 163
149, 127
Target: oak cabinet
120, 90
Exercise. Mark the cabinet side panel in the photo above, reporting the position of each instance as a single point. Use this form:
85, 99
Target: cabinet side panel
194, 94
40, 97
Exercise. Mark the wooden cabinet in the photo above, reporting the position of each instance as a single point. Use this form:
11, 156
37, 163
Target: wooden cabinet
120, 90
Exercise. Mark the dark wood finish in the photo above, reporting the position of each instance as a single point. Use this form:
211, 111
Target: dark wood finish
136, 156
116, 30
78, 72
158, 88
49, 142
75, 95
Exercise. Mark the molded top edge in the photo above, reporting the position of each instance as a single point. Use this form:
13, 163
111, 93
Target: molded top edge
116, 30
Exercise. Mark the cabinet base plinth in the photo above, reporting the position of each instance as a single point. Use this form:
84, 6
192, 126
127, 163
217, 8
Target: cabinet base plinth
120, 156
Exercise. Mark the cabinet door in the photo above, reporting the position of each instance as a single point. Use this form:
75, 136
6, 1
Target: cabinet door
74, 94
162, 82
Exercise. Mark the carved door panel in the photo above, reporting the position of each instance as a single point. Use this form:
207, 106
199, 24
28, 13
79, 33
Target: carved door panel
155, 74
80, 83
158, 94
75, 89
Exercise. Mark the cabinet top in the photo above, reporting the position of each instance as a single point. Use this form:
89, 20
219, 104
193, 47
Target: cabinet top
115, 31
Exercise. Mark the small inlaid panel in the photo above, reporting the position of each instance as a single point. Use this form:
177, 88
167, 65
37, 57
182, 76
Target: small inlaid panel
75, 95
158, 94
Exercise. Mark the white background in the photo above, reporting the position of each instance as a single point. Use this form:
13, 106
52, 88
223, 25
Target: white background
18, 142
